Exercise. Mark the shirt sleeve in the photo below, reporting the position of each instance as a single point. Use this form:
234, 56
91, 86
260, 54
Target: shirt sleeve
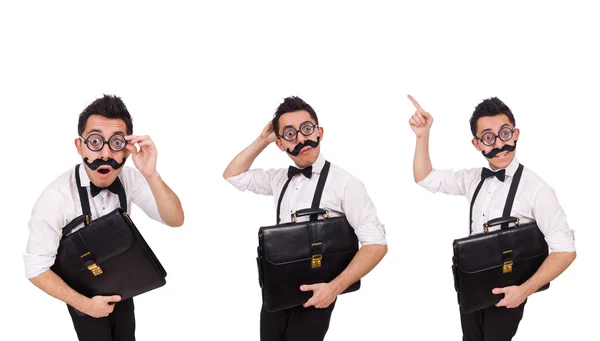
142, 196
45, 230
552, 220
446, 181
362, 214
254, 180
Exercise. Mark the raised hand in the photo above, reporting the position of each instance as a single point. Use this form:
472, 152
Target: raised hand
421, 121
145, 158
268, 134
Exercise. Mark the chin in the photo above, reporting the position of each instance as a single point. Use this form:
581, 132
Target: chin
306, 159
501, 163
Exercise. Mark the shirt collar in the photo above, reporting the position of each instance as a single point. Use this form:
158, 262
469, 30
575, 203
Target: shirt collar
511, 169
318, 165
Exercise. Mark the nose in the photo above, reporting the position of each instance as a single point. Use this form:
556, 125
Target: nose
498, 143
300, 138
105, 152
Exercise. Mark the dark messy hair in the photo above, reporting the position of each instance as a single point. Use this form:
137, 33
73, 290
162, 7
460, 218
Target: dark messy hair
490, 107
108, 106
291, 104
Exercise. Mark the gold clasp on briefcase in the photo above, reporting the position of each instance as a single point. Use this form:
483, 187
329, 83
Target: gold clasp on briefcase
316, 261
95, 269
507, 267
316, 258
508, 264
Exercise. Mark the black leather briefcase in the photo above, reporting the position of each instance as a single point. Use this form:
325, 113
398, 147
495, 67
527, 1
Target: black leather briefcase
297, 253
485, 261
293, 254
505, 257
108, 256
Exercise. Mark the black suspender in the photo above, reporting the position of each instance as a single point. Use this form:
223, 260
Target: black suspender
86, 218
510, 199
318, 191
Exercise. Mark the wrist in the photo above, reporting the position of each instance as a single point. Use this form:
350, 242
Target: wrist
423, 136
262, 142
529, 288
81, 303
338, 286
154, 178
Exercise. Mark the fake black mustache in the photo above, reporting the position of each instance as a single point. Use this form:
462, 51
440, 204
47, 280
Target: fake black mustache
99, 162
495, 151
299, 146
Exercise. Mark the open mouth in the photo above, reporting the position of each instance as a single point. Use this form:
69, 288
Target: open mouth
501, 155
103, 171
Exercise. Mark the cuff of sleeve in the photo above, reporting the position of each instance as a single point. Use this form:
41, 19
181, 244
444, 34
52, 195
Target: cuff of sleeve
371, 234
236, 181
561, 241
35, 265
426, 181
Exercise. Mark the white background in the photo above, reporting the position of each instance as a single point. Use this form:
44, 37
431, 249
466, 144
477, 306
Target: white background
203, 79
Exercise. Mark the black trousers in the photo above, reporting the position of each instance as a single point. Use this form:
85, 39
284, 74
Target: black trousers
117, 326
491, 324
295, 324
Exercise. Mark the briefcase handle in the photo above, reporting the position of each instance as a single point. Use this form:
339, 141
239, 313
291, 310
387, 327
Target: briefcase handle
309, 211
499, 221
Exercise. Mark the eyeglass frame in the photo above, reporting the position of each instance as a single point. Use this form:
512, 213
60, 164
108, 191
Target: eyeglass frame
314, 127
512, 133
104, 142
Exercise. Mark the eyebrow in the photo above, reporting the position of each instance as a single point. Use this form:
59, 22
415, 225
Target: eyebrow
292, 126
98, 131
490, 129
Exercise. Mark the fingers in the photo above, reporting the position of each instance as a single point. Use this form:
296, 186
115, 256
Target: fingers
421, 118
268, 131
133, 139
132, 149
497, 291
418, 120
310, 302
114, 298
144, 142
415, 103
307, 287
502, 303
413, 122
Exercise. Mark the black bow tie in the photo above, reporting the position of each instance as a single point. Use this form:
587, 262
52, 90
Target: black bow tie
486, 173
114, 187
307, 171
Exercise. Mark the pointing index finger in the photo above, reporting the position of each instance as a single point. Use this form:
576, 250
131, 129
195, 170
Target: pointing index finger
415, 103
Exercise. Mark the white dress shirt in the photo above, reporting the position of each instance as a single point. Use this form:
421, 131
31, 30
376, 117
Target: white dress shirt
534, 200
59, 204
343, 195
